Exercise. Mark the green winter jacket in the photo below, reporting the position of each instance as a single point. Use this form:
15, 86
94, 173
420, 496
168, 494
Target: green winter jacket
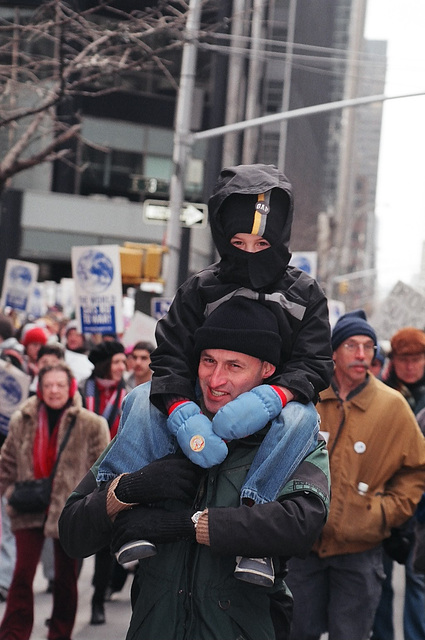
188, 591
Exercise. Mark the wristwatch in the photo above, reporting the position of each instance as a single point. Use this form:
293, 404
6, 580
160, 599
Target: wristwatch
196, 517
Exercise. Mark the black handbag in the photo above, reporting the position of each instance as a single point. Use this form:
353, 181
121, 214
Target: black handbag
33, 496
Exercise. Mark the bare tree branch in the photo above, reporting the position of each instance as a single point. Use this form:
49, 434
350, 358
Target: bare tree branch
59, 54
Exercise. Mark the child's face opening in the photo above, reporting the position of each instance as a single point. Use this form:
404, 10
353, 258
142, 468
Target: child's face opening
251, 243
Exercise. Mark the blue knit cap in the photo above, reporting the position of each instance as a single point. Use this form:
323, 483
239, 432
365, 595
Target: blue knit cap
353, 323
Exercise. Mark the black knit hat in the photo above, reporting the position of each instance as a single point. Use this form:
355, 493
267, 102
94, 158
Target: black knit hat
353, 323
241, 325
263, 214
105, 350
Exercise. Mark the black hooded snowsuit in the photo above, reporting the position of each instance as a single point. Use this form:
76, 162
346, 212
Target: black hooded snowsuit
299, 303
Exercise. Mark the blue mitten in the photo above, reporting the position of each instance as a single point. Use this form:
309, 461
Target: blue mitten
247, 413
195, 435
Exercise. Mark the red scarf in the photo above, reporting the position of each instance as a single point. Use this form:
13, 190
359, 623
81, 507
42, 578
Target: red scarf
105, 397
45, 445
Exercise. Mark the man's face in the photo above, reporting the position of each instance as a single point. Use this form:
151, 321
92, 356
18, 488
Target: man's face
409, 368
118, 366
140, 363
55, 389
49, 359
224, 375
74, 340
353, 358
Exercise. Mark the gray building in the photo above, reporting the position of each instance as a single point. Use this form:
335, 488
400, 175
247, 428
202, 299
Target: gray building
255, 61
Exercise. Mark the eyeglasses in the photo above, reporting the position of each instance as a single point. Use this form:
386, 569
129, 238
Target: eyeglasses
54, 385
352, 347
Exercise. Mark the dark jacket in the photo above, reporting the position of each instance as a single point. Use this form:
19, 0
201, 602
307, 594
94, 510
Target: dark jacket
414, 393
402, 539
188, 591
297, 300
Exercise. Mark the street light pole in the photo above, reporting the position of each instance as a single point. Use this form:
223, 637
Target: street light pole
297, 113
184, 139
286, 96
182, 145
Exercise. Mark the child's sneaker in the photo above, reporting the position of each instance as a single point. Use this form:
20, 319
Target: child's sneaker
135, 550
256, 570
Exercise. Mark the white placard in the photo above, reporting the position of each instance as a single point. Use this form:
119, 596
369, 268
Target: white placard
306, 261
18, 284
37, 305
14, 386
336, 310
66, 296
141, 327
98, 288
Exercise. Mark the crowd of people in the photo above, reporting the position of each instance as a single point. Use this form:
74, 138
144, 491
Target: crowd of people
260, 471
59, 399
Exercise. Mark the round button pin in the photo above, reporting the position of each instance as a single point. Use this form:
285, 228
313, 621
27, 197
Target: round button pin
359, 447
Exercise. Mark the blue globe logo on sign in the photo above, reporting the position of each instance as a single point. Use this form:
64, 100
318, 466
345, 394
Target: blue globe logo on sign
10, 390
95, 271
20, 276
302, 263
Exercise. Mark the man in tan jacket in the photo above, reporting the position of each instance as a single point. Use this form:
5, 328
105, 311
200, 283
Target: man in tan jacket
377, 462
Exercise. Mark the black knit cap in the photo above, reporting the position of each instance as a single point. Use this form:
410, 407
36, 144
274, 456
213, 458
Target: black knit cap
350, 324
261, 214
241, 325
105, 350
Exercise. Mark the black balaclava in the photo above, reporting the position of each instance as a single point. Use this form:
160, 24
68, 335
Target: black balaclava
253, 199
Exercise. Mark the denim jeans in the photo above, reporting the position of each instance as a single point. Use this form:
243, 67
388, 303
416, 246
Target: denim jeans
7, 548
143, 437
414, 604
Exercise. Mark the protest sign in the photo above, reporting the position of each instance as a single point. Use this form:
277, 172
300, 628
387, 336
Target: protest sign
14, 387
19, 280
98, 288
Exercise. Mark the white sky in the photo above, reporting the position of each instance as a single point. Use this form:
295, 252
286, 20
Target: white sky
400, 205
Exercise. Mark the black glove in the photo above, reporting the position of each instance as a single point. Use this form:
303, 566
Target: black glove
155, 525
399, 544
170, 477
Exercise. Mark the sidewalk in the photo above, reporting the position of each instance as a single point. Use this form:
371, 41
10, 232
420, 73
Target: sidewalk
118, 611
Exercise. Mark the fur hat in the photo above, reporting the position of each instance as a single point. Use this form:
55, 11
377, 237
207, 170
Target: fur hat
105, 350
36, 334
350, 324
241, 325
408, 341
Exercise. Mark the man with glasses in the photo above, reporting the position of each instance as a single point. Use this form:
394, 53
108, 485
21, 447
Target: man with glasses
377, 462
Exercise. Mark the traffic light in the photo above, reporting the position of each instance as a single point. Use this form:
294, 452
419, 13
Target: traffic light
131, 265
141, 262
152, 262
343, 287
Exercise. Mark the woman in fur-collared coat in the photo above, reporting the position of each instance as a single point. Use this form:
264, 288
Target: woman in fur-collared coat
35, 435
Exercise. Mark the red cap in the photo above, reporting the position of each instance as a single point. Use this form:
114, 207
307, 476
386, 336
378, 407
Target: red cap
37, 334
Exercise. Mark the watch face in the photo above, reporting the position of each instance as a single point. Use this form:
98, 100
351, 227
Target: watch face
196, 517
